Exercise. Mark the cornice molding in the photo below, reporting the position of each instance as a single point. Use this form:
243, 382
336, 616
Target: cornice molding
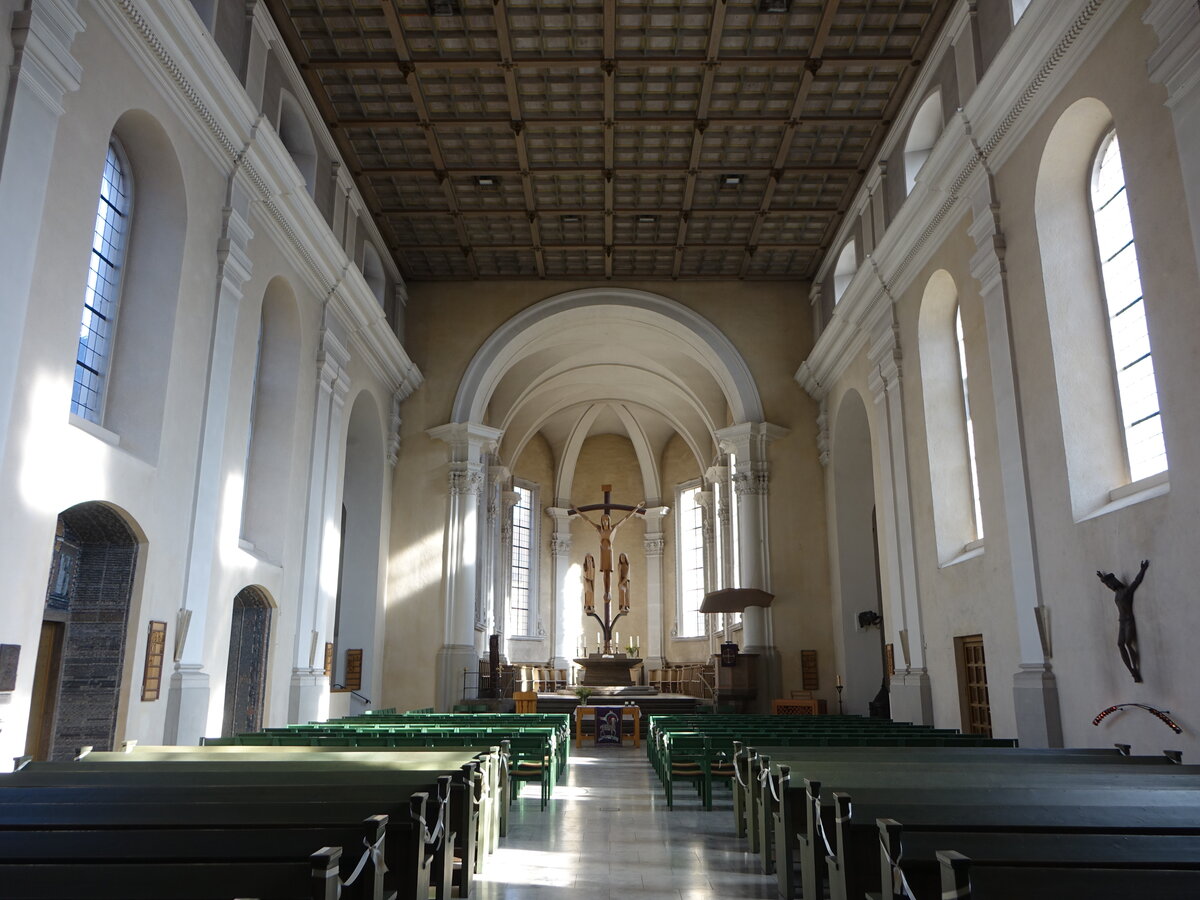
1043, 52
168, 42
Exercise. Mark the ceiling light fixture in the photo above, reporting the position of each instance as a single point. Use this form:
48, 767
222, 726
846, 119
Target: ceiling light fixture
646, 219
443, 8
732, 179
486, 180
570, 219
774, 6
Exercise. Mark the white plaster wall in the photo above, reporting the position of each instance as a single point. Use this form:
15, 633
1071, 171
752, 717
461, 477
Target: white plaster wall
51, 464
976, 595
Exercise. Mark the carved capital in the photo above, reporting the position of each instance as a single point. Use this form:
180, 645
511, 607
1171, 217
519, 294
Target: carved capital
654, 545
823, 434
560, 544
755, 482
466, 479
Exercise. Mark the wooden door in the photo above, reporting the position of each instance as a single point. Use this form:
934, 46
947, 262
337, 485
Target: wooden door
973, 686
42, 704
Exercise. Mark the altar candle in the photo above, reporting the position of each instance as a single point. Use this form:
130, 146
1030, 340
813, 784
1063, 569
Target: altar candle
617, 638
599, 639
839, 681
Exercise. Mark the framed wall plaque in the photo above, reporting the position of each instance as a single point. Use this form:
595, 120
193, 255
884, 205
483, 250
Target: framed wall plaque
156, 647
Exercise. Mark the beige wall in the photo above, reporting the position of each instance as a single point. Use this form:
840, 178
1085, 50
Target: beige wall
768, 323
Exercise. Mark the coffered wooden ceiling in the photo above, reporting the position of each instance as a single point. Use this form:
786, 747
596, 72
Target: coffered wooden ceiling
608, 139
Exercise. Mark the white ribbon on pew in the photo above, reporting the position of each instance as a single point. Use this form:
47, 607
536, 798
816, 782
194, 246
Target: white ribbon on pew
765, 776
374, 852
815, 812
899, 882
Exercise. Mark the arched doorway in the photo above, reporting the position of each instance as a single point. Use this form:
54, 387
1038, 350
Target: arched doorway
860, 613
81, 652
246, 672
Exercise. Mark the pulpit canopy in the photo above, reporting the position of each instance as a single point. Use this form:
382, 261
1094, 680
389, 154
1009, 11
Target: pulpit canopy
731, 600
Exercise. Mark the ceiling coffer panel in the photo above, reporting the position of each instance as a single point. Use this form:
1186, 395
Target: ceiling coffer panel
608, 138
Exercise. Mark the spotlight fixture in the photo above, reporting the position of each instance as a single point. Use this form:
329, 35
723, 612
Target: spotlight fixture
444, 8
774, 6
486, 181
732, 179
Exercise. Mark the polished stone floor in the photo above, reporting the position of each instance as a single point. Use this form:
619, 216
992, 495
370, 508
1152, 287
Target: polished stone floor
608, 833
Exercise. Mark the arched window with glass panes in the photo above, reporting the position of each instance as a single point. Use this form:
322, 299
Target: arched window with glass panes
690, 546
101, 297
1133, 365
970, 426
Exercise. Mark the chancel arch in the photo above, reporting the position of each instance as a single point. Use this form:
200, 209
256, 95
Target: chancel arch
607, 381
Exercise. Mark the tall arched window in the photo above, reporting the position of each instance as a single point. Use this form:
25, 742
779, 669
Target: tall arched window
102, 294
1128, 333
844, 270
970, 427
926, 128
690, 543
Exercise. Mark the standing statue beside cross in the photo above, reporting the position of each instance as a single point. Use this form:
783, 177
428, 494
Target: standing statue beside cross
607, 529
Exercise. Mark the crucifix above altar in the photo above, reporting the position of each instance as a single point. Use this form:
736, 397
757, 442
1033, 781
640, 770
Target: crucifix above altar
606, 528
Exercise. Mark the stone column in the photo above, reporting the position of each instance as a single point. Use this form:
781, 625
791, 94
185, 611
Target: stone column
308, 696
188, 694
653, 544
1176, 65
1035, 691
42, 73
489, 552
468, 445
718, 478
911, 698
567, 592
747, 445
707, 501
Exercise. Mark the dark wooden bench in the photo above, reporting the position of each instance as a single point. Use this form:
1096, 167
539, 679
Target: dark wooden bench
361, 878
966, 879
311, 878
801, 824
474, 817
911, 853
848, 851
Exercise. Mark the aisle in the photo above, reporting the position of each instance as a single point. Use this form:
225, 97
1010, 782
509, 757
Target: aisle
608, 833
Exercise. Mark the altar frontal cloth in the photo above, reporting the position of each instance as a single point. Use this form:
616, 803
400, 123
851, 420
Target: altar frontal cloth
608, 724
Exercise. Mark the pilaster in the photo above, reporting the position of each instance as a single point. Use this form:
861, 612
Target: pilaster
308, 695
1176, 65
567, 592
653, 545
910, 689
468, 444
233, 270
1034, 687
43, 72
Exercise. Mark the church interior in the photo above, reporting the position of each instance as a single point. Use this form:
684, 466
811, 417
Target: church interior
375, 354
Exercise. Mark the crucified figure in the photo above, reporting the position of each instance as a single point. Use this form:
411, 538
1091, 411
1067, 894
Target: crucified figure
1126, 627
606, 528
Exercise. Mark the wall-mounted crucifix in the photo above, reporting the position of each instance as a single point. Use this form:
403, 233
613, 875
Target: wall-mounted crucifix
606, 528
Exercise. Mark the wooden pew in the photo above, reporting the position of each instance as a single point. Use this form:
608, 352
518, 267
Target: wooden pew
477, 826
409, 862
966, 879
292, 787
913, 852
231, 844
314, 878
797, 829
847, 851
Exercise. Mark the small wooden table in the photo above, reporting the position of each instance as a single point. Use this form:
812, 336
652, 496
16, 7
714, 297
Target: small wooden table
633, 712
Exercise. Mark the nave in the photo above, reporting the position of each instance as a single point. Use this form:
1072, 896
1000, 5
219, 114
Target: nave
608, 833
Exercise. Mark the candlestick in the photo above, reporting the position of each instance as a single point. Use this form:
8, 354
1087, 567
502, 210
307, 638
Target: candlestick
839, 681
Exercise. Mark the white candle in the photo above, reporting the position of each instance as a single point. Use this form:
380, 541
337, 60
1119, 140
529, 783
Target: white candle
617, 638
599, 638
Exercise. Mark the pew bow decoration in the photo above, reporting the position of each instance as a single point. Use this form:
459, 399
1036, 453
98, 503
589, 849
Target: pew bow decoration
1160, 714
374, 852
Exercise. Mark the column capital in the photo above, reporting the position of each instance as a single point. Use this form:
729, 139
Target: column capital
987, 264
1176, 62
823, 434
885, 357
468, 441
42, 36
749, 440
560, 544
653, 545
466, 478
